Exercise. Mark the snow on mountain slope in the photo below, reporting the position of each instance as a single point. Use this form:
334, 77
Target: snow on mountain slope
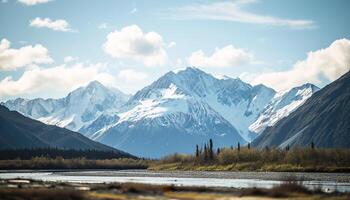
80, 108
166, 120
182, 108
236, 101
282, 105
188, 106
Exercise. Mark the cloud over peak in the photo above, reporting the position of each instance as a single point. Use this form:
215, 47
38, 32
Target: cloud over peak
228, 56
328, 63
57, 79
132, 43
11, 59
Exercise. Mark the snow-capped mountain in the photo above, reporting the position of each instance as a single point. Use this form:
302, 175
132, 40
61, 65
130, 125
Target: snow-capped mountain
282, 105
77, 110
179, 110
171, 115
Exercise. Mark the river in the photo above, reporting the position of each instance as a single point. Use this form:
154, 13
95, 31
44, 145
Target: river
326, 181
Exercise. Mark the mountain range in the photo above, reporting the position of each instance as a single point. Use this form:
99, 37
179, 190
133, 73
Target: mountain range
179, 110
323, 119
19, 132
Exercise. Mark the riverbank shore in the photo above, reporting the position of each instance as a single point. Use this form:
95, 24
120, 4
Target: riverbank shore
29, 189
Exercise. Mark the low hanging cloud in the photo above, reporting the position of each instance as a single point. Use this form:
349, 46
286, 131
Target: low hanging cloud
56, 25
33, 2
69, 59
61, 78
131, 75
11, 59
234, 11
329, 63
228, 56
132, 43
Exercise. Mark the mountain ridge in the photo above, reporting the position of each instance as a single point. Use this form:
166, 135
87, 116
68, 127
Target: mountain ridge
182, 102
20, 132
323, 120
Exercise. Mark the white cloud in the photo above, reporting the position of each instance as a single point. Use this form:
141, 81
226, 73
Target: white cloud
131, 75
131, 43
11, 59
172, 44
233, 11
68, 59
103, 25
329, 63
228, 56
55, 79
33, 2
134, 10
56, 25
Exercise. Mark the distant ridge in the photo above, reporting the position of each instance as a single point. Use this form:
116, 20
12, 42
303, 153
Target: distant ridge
20, 132
323, 119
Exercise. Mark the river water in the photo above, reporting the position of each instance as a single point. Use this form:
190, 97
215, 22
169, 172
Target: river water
326, 181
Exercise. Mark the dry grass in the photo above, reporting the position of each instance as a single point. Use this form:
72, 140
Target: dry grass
40, 194
295, 160
27, 191
75, 163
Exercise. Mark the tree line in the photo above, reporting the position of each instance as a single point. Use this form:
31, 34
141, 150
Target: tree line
26, 154
207, 152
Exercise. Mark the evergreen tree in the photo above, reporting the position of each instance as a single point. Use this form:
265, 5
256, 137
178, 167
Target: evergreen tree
249, 145
205, 152
211, 152
312, 145
197, 151
218, 151
239, 146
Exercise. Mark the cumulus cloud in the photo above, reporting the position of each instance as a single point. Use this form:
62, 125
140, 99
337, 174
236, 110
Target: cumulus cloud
59, 78
33, 2
56, 25
131, 75
68, 59
234, 11
329, 63
172, 44
132, 43
11, 59
228, 56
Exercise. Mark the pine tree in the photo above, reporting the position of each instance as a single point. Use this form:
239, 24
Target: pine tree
249, 145
239, 146
211, 152
197, 151
312, 145
205, 152
218, 151
287, 148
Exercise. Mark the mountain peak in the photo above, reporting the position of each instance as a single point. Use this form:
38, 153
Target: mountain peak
94, 83
186, 69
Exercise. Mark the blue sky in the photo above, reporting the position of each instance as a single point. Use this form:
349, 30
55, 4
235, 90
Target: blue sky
259, 41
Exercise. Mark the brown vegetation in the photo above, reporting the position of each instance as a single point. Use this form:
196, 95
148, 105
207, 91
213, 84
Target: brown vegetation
30, 190
247, 159
75, 163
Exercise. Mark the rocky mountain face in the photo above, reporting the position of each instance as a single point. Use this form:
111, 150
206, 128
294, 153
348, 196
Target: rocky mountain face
179, 110
323, 119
